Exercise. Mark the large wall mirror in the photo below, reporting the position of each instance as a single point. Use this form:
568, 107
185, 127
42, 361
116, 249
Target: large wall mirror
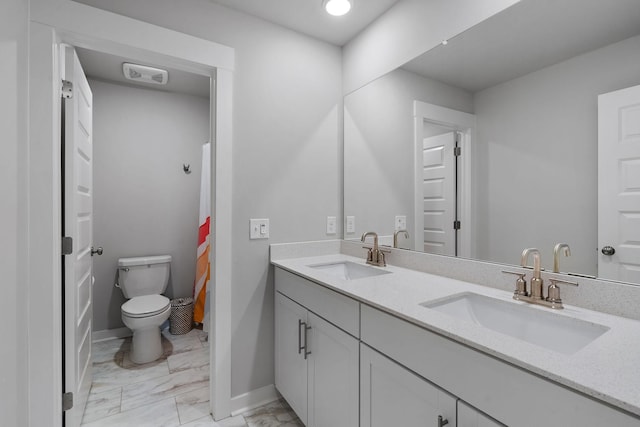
518, 94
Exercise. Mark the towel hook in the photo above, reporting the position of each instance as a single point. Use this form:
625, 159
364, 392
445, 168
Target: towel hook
186, 168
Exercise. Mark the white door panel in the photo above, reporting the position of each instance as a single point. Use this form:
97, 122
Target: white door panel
439, 194
390, 395
290, 365
78, 224
619, 184
333, 376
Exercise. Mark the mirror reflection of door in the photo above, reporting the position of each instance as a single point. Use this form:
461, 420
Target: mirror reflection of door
619, 185
439, 196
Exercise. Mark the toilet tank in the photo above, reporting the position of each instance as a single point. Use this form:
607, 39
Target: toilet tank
148, 275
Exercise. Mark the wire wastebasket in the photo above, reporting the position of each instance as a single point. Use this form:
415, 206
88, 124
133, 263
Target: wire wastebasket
181, 318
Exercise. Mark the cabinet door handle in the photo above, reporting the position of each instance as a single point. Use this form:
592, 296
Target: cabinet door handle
442, 422
307, 328
300, 346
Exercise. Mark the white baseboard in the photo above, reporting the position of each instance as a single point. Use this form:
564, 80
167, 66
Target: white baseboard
109, 334
253, 399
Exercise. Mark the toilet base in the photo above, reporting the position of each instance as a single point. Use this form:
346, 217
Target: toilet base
146, 345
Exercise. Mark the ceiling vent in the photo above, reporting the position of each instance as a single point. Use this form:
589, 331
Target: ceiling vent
141, 73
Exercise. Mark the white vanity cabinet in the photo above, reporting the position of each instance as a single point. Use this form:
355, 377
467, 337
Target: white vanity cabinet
391, 395
290, 366
367, 367
506, 393
317, 362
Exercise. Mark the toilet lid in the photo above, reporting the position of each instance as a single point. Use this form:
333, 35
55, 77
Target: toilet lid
147, 305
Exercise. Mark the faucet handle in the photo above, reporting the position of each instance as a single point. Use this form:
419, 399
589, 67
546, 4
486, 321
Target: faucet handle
521, 284
553, 292
381, 261
369, 253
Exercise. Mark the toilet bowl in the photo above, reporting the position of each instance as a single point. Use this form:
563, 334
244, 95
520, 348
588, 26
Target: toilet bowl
144, 315
143, 280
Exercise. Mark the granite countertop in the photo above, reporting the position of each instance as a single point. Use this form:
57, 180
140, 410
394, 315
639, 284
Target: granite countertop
606, 368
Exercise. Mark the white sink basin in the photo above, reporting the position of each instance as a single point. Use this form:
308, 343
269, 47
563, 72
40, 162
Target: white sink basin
347, 270
543, 328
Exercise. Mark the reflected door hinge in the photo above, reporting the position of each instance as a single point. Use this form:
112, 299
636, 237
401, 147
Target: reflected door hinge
457, 151
67, 245
67, 89
67, 401
456, 225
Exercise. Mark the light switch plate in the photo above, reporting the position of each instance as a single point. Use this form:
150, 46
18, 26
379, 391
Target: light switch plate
331, 225
351, 224
259, 228
401, 222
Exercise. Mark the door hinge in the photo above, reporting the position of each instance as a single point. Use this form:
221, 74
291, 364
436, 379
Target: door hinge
67, 401
456, 225
67, 89
457, 151
67, 245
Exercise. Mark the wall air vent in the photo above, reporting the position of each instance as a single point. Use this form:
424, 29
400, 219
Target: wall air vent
142, 73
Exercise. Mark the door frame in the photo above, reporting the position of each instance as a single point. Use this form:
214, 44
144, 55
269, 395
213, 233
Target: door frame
464, 123
53, 22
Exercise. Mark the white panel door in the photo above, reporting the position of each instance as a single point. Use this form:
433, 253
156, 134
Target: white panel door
78, 224
469, 416
391, 395
439, 194
333, 376
291, 364
619, 185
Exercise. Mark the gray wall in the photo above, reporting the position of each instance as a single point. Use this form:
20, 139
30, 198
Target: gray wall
379, 148
144, 204
13, 128
286, 156
538, 163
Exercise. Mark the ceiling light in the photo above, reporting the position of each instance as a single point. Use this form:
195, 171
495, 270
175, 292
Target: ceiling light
337, 7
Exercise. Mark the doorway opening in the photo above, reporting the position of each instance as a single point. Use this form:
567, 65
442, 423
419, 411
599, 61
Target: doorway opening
443, 152
131, 172
54, 23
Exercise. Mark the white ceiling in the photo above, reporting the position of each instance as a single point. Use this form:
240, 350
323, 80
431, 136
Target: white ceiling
529, 36
103, 66
304, 16
308, 16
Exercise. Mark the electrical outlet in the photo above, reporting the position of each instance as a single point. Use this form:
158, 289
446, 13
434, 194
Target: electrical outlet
351, 224
259, 228
331, 225
401, 222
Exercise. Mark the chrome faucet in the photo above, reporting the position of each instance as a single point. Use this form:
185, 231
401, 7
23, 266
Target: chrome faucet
556, 255
536, 296
375, 256
536, 280
395, 237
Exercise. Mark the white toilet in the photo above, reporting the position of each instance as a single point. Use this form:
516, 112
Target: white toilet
143, 280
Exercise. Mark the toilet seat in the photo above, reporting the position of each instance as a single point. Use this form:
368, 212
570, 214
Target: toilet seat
145, 306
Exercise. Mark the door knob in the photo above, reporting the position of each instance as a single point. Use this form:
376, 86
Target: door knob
608, 250
96, 251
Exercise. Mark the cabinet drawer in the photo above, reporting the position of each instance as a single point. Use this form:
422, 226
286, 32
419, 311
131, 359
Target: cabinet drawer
338, 309
501, 390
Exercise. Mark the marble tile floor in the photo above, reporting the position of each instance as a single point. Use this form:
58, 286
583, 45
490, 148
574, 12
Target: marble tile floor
169, 392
